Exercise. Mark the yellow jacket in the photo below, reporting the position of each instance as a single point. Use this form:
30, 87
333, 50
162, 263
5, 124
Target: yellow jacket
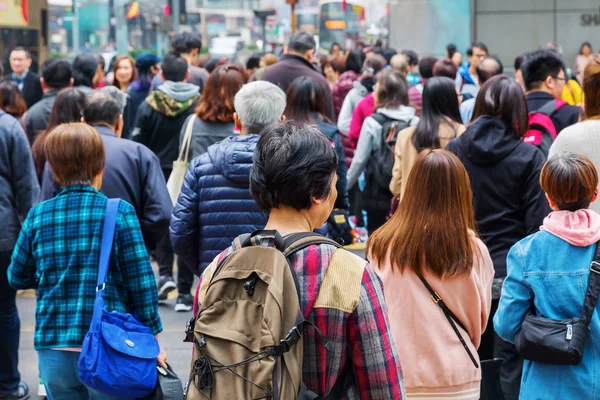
572, 93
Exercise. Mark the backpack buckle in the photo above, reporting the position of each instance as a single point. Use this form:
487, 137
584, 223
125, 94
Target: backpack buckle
293, 337
189, 330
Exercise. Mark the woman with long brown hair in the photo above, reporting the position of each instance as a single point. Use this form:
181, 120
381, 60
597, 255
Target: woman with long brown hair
430, 241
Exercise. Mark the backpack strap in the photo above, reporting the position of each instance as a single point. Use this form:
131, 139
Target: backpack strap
299, 241
380, 118
551, 107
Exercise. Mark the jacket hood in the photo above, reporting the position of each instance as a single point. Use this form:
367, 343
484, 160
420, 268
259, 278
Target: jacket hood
233, 156
580, 228
174, 99
488, 141
404, 113
180, 91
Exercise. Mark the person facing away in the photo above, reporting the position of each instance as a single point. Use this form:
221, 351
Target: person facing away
11, 100
161, 116
453, 261
298, 62
391, 105
19, 191
68, 107
345, 83
293, 180
467, 80
415, 93
438, 125
488, 68
306, 105
215, 205
87, 72
213, 118
65, 280
147, 65
28, 81
544, 77
56, 75
548, 274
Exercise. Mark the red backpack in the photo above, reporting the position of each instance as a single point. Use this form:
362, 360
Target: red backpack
541, 131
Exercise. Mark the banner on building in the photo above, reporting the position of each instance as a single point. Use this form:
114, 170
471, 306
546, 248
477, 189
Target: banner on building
14, 12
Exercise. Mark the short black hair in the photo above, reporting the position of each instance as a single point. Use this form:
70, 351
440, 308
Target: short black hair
301, 42
539, 65
174, 67
293, 163
101, 109
426, 67
413, 58
85, 67
253, 61
479, 45
451, 49
22, 48
57, 73
388, 53
484, 74
186, 42
518, 62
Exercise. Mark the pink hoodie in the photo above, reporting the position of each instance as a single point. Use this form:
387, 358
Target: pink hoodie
580, 228
364, 109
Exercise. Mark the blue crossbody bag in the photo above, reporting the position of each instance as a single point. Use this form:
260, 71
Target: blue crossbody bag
118, 355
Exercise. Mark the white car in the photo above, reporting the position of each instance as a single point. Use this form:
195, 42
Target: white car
225, 47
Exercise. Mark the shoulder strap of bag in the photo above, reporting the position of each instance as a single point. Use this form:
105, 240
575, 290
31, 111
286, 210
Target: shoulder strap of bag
184, 153
108, 234
593, 288
451, 318
380, 118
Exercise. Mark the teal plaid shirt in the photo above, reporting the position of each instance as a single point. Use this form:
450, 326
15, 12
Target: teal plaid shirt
57, 254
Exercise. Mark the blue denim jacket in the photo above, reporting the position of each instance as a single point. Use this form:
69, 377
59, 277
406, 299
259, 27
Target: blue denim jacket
552, 274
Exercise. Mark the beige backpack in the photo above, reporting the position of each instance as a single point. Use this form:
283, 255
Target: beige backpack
247, 333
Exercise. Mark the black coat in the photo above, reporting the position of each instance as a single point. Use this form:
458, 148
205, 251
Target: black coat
563, 118
504, 172
32, 88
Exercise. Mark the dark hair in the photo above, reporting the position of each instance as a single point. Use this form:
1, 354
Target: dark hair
254, 61
333, 45
22, 48
304, 98
591, 87
75, 152
413, 58
445, 68
392, 90
11, 99
85, 67
375, 62
301, 42
570, 180
102, 110
503, 98
323, 62
355, 60
538, 66
116, 64
518, 62
186, 42
426, 67
68, 107
338, 64
479, 45
292, 165
57, 73
588, 44
484, 74
440, 103
216, 103
451, 49
388, 53
174, 67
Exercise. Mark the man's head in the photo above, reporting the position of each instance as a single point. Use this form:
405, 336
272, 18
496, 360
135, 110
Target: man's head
477, 52
544, 71
56, 75
413, 60
400, 63
302, 44
426, 67
148, 62
445, 68
488, 68
174, 68
258, 105
188, 44
20, 60
105, 107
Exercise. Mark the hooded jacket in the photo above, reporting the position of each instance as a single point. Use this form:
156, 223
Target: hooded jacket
215, 205
160, 118
360, 89
548, 272
504, 172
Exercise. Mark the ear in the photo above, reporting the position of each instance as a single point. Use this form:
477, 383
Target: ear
595, 196
310, 55
548, 82
72, 82
283, 118
551, 203
162, 76
317, 202
43, 83
83, 120
238, 123
119, 126
187, 76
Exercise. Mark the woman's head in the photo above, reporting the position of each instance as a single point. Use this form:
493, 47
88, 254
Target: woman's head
304, 97
11, 99
125, 72
295, 170
373, 64
355, 60
570, 181
268, 59
216, 103
445, 68
591, 87
440, 103
438, 189
586, 49
503, 98
75, 153
391, 90
86, 70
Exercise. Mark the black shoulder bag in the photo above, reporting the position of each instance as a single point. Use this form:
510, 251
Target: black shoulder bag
561, 342
451, 319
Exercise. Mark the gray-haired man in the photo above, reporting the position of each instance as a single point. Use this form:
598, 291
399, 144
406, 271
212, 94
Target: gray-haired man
215, 205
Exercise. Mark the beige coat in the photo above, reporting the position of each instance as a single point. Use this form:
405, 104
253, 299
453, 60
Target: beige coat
406, 154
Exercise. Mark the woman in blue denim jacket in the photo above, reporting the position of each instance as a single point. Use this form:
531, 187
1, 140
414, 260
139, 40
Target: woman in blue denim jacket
549, 270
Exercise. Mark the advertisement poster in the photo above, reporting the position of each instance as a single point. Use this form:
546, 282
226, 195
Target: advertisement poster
14, 12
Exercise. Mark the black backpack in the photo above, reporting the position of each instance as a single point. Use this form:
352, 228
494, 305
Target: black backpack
378, 174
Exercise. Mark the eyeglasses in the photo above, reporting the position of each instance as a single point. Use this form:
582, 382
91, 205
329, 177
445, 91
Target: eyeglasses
560, 79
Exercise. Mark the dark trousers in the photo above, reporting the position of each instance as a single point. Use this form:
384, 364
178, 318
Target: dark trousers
356, 204
11, 325
165, 259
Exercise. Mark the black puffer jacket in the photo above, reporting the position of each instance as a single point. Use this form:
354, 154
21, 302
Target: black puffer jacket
504, 172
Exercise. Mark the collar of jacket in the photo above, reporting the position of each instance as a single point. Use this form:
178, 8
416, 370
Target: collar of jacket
299, 58
51, 93
77, 188
539, 95
104, 130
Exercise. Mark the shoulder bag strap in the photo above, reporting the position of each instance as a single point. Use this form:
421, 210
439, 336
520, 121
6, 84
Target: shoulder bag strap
451, 318
184, 153
108, 234
593, 288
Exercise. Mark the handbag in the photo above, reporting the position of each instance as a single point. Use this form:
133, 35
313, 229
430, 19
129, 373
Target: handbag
181, 165
168, 386
560, 342
118, 355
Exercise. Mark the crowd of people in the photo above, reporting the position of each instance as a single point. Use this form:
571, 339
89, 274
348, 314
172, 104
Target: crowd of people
475, 189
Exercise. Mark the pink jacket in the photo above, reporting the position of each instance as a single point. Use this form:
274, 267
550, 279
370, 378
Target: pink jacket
363, 109
435, 364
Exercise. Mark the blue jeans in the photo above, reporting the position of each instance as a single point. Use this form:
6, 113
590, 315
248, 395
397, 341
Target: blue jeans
11, 325
58, 370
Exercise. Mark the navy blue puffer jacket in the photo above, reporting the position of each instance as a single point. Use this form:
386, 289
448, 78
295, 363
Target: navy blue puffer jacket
215, 205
